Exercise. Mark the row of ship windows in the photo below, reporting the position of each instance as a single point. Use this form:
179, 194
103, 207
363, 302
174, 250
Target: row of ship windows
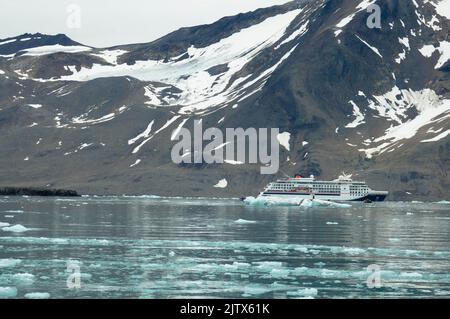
288, 186
281, 186
306, 186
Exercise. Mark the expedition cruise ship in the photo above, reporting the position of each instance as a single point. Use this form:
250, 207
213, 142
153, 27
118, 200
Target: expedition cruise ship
341, 189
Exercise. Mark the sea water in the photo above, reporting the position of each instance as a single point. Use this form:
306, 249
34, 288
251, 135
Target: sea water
151, 247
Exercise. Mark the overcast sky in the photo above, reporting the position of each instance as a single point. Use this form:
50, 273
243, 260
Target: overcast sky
111, 22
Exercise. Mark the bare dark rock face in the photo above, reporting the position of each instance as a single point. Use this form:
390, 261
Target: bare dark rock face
373, 102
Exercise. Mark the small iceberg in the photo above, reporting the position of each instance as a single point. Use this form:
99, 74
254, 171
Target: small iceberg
8, 292
9, 262
252, 201
443, 202
4, 224
37, 295
16, 229
23, 279
306, 292
141, 196
308, 203
322, 203
244, 221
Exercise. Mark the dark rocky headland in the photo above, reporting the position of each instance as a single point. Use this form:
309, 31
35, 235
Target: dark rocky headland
24, 191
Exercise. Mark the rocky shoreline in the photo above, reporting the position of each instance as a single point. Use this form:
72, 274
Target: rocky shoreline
34, 191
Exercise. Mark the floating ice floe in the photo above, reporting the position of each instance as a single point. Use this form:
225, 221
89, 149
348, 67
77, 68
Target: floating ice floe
322, 203
4, 224
9, 262
255, 290
293, 202
16, 229
244, 221
445, 202
270, 202
8, 292
37, 295
305, 292
24, 279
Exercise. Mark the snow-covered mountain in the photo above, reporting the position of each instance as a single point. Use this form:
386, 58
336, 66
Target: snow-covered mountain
374, 102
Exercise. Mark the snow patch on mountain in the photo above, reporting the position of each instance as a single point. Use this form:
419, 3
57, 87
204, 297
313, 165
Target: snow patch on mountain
233, 162
8, 41
377, 52
430, 108
296, 34
284, 140
359, 117
168, 123
394, 104
223, 183
443, 49
144, 134
363, 5
110, 56
437, 137
200, 89
56, 48
35, 106
442, 7
82, 119
135, 163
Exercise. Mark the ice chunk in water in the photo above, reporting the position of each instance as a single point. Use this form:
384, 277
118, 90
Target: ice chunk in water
37, 295
253, 201
9, 262
255, 290
244, 221
293, 202
23, 279
16, 228
4, 224
279, 273
323, 203
270, 201
306, 292
8, 292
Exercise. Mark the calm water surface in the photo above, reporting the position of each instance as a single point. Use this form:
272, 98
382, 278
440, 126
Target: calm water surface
174, 248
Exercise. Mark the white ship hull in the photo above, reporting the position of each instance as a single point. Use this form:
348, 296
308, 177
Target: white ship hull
375, 197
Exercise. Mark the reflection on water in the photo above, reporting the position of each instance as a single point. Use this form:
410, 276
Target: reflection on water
166, 248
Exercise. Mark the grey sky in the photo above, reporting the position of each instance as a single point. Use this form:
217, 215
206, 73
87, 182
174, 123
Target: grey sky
112, 22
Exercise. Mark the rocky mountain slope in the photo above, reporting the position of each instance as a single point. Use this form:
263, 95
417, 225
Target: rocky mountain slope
368, 101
